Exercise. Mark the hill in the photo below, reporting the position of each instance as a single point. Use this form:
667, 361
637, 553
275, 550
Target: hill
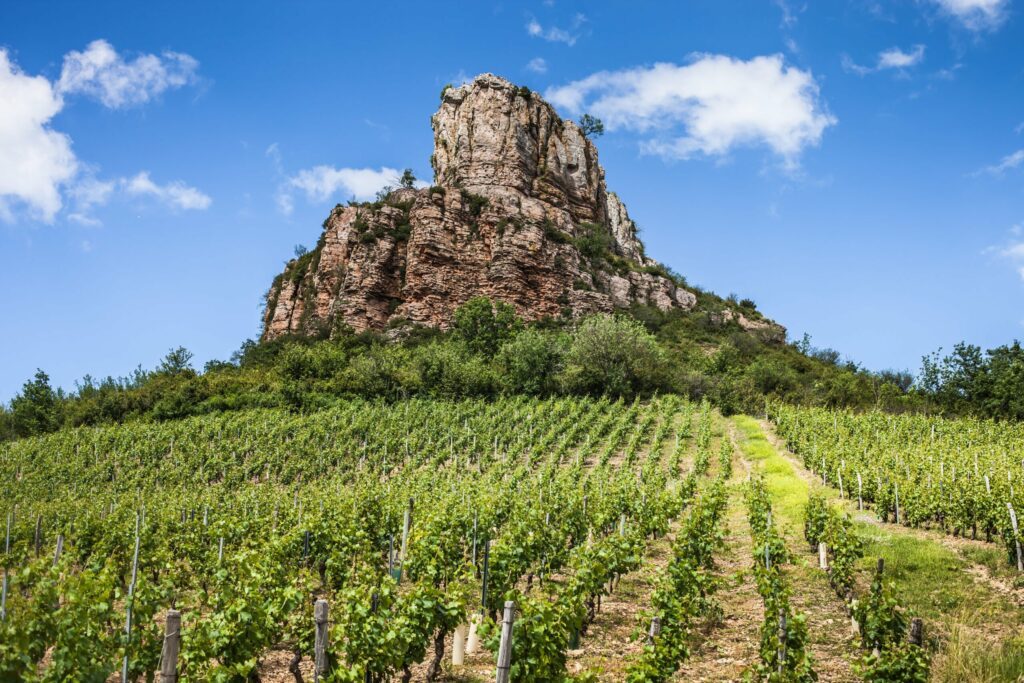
519, 212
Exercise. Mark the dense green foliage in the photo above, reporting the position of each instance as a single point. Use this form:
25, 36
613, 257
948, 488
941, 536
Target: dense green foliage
959, 476
969, 382
489, 352
244, 518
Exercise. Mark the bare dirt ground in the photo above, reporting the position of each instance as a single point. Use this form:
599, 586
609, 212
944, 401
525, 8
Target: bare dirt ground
725, 649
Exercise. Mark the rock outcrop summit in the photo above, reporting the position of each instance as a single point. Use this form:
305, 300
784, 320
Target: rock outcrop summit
518, 212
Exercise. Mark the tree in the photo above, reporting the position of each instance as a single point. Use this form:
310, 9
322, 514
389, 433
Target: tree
176, 362
591, 126
301, 250
531, 361
36, 410
485, 325
408, 180
614, 355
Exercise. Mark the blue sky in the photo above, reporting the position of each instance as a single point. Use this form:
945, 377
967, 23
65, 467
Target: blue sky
855, 167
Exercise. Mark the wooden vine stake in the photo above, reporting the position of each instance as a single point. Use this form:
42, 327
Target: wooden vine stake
3, 598
782, 642
822, 555
916, 631
1016, 536
59, 549
505, 648
172, 646
860, 489
654, 631
3, 587
131, 601
406, 525
320, 644
897, 486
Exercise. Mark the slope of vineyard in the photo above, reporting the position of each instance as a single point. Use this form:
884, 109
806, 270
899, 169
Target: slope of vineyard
242, 521
963, 477
414, 522
968, 591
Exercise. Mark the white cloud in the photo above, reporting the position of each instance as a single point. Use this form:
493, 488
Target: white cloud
553, 34
100, 72
893, 58
710, 106
37, 160
85, 219
537, 65
1009, 162
88, 192
1012, 251
975, 14
789, 17
39, 170
321, 183
175, 194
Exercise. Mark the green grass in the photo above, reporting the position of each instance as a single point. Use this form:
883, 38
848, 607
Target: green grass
966, 658
931, 580
789, 491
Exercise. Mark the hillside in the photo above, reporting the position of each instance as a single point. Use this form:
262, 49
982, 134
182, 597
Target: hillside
412, 520
519, 212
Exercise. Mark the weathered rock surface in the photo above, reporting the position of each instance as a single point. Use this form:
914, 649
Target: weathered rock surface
519, 213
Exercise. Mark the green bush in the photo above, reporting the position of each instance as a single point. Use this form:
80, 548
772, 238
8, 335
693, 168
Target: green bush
614, 355
529, 363
485, 325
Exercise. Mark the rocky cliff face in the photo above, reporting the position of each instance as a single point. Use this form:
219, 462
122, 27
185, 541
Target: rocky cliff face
519, 212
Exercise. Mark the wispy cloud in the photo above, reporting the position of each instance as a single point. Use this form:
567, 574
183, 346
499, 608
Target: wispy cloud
1012, 251
789, 15
321, 183
554, 34
708, 107
976, 15
537, 65
175, 194
893, 58
1007, 163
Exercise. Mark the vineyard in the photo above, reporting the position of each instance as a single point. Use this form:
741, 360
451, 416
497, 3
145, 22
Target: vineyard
510, 540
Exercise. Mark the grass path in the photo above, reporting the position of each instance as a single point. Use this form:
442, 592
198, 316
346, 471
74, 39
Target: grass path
973, 621
831, 641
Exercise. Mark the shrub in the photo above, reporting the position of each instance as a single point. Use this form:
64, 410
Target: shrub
530, 362
594, 240
555, 235
450, 369
484, 325
474, 203
614, 355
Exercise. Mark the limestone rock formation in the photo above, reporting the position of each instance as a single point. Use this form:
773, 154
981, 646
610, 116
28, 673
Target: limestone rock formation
519, 212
